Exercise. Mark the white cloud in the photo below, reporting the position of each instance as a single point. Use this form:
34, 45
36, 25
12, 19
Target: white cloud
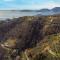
52, 4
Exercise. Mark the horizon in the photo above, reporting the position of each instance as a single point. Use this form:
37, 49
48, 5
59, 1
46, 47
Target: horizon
25, 9
28, 9
28, 4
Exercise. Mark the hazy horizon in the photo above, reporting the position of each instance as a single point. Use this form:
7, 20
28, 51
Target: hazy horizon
25, 9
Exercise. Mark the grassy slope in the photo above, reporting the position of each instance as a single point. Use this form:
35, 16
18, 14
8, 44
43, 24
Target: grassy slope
49, 48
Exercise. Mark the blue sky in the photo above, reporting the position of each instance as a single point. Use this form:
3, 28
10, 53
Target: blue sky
28, 4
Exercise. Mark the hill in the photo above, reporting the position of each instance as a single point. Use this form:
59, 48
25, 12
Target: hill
34, 34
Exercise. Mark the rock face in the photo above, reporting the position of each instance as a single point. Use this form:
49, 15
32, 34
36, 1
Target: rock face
2, 53
27, 32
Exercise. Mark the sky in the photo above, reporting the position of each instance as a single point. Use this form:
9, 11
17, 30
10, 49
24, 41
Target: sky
28, 4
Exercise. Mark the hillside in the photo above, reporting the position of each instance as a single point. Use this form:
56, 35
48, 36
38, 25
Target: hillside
29, 37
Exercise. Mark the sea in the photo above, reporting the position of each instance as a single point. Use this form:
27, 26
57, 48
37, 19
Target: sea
10, 14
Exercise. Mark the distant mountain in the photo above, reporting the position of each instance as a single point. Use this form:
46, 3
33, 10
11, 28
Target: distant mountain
26, 10
44, 10
53, 11
56, 9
